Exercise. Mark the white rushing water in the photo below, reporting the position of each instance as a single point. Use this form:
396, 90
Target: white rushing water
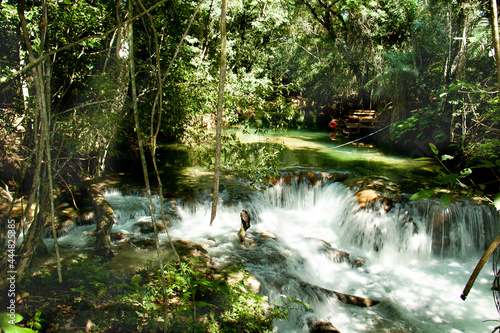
417, 256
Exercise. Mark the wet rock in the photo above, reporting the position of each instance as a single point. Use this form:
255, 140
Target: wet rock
365, 197
267, 235
339, 256
143, 242
245, 224
144, 226
371, 198
117, 236
308, 177
85, 219
187, 249
249, 280
321, 326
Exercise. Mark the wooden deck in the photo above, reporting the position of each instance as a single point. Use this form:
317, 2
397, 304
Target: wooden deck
357, 121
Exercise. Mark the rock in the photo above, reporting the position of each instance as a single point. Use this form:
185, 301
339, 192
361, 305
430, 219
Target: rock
245, 224
143, 242
248, 280
365, 197
188, 249
115, 236
339, 256
144, 226
308, 177
266, 235
321, 326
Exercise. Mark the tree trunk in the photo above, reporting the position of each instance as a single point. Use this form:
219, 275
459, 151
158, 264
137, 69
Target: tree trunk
220, 105
496, 38
48, 155
143, 160
343, 298
43, 194
104, 220
34, 233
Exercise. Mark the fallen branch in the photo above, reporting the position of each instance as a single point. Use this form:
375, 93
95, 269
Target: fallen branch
343, 298
479, 266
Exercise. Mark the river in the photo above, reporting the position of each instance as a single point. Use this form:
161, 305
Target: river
415, 258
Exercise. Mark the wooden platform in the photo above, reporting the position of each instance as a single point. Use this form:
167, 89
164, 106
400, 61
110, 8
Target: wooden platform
357, 121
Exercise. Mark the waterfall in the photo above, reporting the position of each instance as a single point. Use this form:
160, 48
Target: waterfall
414, 258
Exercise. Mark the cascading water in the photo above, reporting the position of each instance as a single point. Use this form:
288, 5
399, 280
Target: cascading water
416, 257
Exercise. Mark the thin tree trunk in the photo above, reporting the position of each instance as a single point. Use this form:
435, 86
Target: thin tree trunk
45, 129
143, 158
43, 193
496, 38
220, 106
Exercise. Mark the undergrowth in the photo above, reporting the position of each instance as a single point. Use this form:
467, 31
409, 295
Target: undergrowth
94, 298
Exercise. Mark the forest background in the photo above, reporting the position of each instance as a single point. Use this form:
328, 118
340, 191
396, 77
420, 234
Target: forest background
427, 67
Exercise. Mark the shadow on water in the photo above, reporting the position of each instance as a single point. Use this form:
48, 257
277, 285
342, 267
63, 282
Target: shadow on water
185, 173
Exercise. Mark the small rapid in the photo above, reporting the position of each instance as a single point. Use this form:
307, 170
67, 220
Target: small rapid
415, 258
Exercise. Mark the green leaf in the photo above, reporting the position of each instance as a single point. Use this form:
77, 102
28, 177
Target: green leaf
465, 172
424, 194
446, 157
485, 164
445, 199
497, 201
5, 323
202, 304
424, 159
449, 179
434, 148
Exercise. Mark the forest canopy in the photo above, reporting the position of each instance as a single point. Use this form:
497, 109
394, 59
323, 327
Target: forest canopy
428, 68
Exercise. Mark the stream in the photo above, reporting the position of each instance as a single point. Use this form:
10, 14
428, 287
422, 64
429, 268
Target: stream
415, 258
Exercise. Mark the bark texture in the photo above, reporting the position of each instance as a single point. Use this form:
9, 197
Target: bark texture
104, 220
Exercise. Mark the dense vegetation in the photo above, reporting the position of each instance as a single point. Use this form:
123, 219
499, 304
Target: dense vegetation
427, 67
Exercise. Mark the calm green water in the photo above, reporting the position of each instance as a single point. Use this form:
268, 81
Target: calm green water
318, 152
314, 151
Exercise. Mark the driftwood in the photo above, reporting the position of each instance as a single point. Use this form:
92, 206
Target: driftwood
104, 220
343, 298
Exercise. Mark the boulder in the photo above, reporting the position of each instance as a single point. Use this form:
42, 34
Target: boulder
144, 226
339, 256
365, 197
321, 326
248, 280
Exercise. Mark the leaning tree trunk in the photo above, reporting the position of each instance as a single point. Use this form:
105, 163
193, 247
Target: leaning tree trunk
220, 105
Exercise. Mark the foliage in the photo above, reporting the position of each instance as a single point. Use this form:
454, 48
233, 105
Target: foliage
7, 322
224, 303
454, 180
255, 161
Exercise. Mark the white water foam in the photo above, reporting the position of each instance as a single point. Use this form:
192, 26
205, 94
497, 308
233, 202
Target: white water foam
418, 256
